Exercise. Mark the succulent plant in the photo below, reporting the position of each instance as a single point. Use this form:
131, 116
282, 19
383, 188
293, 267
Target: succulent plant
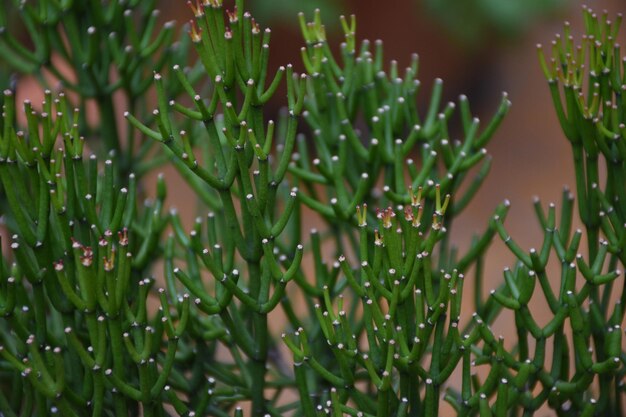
110, 306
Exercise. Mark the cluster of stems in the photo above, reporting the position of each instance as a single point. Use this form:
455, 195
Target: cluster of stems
76, 336
587, 82
88, 326
103, 54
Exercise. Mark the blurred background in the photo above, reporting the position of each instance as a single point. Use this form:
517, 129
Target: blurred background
480, 48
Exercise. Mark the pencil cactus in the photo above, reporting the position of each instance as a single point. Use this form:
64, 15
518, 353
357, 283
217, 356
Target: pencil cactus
90, 324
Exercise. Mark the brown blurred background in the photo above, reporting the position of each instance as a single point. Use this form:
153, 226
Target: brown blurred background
480, 48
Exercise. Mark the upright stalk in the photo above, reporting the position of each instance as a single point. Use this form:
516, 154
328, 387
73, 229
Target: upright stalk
258, 361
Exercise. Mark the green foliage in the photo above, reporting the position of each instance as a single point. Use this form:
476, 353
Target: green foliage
94, 50
89, 326
473, 22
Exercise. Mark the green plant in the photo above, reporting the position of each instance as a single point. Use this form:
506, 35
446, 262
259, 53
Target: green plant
377, 329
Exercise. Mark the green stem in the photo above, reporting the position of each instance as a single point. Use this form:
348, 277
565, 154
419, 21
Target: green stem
258, 360
40, 312
108, 126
